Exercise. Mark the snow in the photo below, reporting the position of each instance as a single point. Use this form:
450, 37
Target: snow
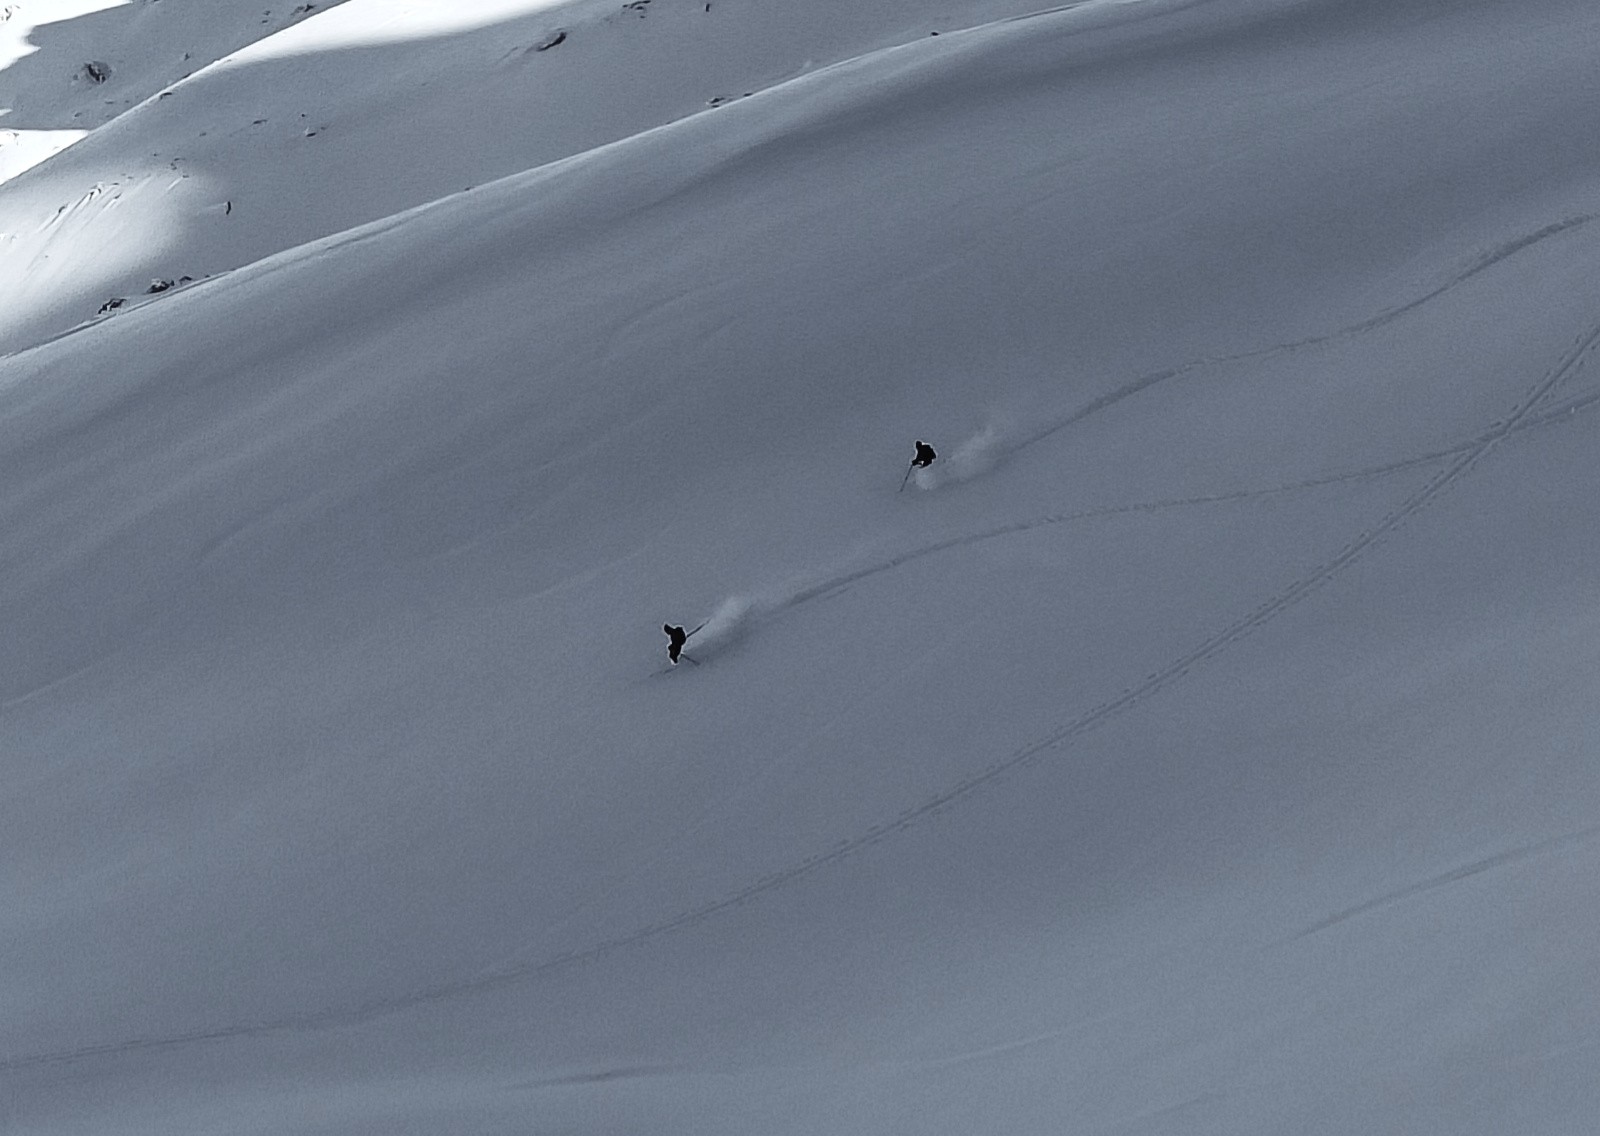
1204, 744
23, 149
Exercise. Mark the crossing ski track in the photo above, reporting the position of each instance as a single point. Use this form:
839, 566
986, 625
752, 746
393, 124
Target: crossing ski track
1466, 456
1564, 412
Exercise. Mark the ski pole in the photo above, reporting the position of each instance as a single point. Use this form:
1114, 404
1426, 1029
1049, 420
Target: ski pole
907, 477
693, 633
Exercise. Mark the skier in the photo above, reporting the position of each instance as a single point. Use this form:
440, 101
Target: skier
922, 460
675, 641
676, 638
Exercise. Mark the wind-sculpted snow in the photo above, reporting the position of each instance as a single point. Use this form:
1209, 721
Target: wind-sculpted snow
395, 103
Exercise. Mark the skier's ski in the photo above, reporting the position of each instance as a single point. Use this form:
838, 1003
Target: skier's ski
670, 667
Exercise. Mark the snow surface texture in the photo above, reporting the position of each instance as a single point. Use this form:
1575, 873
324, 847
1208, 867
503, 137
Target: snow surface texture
1206, 745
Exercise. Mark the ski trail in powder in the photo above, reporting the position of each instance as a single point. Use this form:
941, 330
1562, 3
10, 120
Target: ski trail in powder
1461, 459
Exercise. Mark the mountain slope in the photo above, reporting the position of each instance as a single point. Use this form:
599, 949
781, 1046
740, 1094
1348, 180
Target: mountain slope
1204, 745
376, 106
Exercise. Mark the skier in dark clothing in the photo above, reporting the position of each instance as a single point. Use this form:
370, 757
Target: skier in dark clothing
923, 459
676, 638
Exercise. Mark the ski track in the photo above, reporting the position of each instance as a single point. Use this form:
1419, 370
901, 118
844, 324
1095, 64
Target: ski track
1466, 871
624, 1073
62, 679
1466, 457
836, 584
1483, 262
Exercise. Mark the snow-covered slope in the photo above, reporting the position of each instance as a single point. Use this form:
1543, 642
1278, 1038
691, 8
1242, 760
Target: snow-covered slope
375, 106
1205, 744
73, 65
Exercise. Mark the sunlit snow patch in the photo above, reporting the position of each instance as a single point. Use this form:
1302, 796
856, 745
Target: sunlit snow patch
23, 149
17, 21
362, 23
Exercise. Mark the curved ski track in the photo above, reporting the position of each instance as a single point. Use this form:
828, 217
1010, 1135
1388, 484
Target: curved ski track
1466, 457
836, 584
1481, 263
